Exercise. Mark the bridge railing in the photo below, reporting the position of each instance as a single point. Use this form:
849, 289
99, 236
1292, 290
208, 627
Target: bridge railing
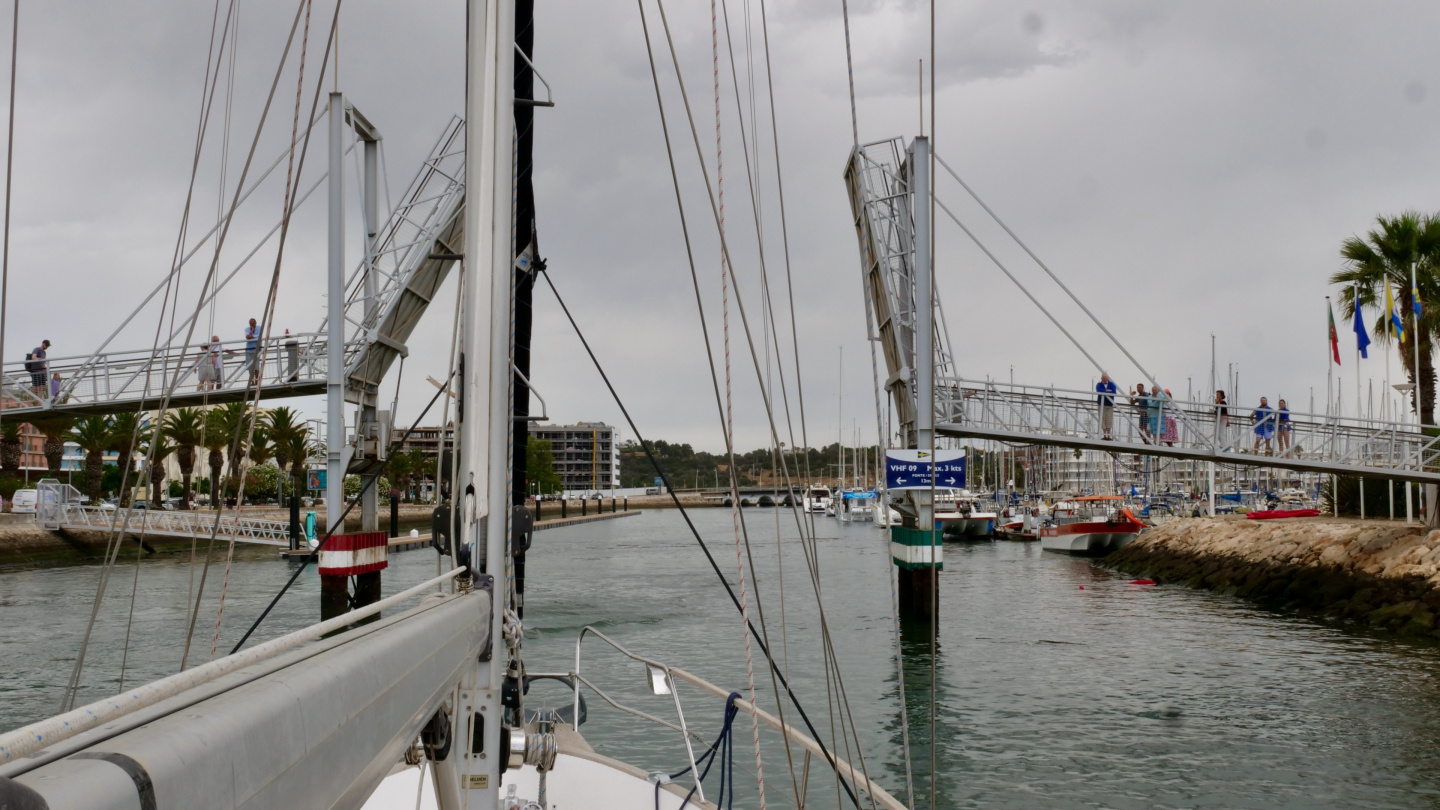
173, 524
113, 377
1295, 435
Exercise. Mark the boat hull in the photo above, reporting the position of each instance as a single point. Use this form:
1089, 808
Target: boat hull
967, 526
1088, 539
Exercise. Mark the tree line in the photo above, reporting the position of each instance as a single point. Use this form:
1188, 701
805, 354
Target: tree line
279, 442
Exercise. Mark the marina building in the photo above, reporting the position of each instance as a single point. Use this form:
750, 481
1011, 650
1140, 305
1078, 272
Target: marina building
587, 454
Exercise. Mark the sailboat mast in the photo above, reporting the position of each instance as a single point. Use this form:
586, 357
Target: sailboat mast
483, 485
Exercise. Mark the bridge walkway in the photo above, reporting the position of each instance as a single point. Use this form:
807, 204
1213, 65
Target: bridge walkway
1317, 443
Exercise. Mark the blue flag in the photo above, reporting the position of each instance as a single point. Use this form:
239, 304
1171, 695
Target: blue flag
1362, 338
1414, 296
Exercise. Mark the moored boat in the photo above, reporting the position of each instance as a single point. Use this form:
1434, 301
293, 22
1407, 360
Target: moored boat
1093, 535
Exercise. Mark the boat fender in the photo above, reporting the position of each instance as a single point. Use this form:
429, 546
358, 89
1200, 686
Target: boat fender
1142, 582
435, 736
15, 796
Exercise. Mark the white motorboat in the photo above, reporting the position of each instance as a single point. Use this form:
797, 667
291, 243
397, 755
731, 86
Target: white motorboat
1090, 526
817, 500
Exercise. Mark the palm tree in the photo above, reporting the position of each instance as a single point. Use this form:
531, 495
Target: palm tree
157, 455
126, 431
283, 423
183, 428
10, 448
262, 448
401, 465
56, 431
297, 451
215, 439
1387, 253
93, 435
233, 421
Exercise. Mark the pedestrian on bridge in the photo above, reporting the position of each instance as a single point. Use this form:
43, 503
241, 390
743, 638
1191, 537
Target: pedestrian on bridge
1106, 400
252, 347
1282, 414
38, 366
1264, 418
1156, 412
210, 370
1140, 401
1222, 419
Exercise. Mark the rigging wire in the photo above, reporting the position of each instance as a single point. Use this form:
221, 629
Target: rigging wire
1017, 281
9, 170
340, 522
728, 422
207, 98
685, 515
1044, 266
210, 275
257, 359
929, 395
812, 559
770, 334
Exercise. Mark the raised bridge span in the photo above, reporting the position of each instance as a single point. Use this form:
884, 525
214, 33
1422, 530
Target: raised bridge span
386, 294
880, 177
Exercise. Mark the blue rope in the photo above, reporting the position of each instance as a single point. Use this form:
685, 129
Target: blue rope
723, 747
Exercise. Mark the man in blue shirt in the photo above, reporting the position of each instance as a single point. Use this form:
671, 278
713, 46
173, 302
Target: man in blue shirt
1264, 418
1106, 400
252, 346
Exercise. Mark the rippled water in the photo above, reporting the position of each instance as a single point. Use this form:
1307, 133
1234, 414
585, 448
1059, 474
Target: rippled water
1049, 694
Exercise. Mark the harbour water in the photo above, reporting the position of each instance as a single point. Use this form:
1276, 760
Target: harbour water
1059, 685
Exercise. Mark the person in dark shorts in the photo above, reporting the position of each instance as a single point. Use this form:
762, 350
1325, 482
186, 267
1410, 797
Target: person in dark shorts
1140, 401
1264, 418
38, 366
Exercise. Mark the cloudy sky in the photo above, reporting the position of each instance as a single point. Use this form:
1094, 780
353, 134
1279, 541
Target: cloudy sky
1188, 169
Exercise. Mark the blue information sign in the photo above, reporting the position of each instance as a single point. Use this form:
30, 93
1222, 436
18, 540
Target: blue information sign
912, 469
317, 479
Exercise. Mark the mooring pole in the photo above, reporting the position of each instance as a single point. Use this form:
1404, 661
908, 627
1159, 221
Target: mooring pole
334, 589
921, 544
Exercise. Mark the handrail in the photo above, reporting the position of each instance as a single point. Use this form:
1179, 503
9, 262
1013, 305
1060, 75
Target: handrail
674, 695
879, 794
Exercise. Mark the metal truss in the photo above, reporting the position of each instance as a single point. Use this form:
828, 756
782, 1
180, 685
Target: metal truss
164, 523
880, 201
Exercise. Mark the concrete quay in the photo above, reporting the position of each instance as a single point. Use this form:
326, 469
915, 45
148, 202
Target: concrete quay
1381, 573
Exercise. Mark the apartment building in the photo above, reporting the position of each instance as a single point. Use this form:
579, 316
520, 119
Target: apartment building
587, 454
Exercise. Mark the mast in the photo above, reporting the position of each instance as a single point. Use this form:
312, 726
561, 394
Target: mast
483, 484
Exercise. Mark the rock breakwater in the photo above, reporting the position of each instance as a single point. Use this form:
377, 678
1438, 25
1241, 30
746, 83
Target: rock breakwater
1386, 575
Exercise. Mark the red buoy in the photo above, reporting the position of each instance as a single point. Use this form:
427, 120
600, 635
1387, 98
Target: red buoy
1142, 582
1082, 587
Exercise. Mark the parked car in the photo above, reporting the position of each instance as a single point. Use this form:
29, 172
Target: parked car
24, 501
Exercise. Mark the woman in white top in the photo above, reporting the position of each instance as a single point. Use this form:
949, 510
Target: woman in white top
210, 365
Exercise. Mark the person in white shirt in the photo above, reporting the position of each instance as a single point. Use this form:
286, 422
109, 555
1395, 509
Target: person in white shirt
211, 370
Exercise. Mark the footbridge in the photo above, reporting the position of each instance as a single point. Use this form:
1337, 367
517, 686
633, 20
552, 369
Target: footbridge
59, 507
1305, 442
386, 294
884, 179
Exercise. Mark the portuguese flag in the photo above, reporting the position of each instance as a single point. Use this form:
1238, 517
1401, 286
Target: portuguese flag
1334, 338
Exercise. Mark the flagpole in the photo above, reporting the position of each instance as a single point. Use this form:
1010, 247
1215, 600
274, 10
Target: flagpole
1415, 339
1329, 360
1355, 296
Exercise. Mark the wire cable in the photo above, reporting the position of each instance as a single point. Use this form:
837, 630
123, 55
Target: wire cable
684, 514
314, 554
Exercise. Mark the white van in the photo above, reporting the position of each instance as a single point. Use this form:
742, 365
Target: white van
24, 501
